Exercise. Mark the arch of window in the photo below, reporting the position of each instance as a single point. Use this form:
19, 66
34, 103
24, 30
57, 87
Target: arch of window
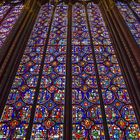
101, 106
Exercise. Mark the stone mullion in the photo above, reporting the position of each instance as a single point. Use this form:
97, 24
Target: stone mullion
68, 93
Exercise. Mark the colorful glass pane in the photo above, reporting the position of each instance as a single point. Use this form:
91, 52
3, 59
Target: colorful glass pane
49, 116
131, 21
99, 92
136, 7
17, 112
9, 22
3, 10
118, 107
86, 110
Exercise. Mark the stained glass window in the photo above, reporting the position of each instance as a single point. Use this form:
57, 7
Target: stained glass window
120, 116
49, 115
136, 7
3, 10
131, 21
9, 20
101, 105
87, 117
17, 111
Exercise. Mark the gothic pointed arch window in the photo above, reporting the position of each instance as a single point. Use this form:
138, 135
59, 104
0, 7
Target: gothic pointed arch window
9, 14
69, 68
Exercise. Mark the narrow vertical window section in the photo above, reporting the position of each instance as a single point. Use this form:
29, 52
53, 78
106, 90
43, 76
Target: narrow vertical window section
49, 115
131, 21
8, 23
17, 111
86, 111
121, 119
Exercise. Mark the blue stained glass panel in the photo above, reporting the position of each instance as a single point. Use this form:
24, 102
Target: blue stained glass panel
17, 112
121, 119
136, 7
3, 10
131, 21
99, 92
8, 23
86, 110
49, 116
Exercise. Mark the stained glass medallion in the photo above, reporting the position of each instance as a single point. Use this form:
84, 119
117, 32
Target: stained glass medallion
101, 105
